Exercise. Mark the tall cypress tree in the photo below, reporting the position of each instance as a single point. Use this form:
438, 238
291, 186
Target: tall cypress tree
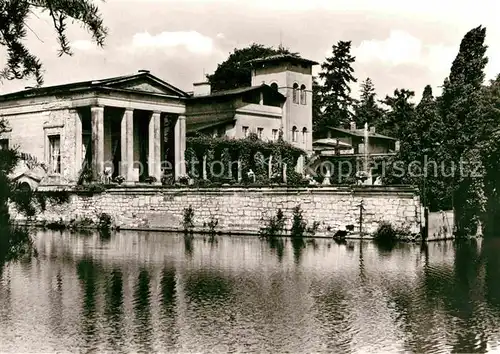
337, 75
460, 107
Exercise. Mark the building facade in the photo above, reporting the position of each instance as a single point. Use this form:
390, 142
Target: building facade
113, 126
255, 109
135, 126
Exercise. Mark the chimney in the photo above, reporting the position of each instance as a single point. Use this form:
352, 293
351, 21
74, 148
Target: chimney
143, 71
353, 125
202, 89
372, 129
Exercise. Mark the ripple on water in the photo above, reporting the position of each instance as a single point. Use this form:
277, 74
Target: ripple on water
151, 292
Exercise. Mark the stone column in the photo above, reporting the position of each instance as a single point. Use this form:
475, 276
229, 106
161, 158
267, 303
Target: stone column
180, 146
204, 167
158, 153
78, 144
127, 145
151, 146
154, 153
97, 114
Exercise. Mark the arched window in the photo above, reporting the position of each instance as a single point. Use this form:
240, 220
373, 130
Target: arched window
295, 93
303, 94
294, 134
274, 86
304, 135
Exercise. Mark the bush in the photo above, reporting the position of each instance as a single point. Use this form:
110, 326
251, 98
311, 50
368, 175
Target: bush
275, 225
387, 234
105, 222
299, 225
188, 220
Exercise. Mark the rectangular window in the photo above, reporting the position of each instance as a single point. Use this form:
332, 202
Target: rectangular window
55, 153
275, 134
245, 131
4, 144
303, 96
259, 132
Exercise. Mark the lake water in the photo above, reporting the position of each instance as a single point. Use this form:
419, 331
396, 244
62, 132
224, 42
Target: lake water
154, 292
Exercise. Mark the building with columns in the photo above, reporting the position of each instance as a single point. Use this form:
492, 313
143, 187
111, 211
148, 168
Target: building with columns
136, 125
132, 126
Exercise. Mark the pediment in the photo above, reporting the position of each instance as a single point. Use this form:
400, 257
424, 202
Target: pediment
147, 85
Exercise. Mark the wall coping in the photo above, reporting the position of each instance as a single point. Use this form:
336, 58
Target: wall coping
398, 190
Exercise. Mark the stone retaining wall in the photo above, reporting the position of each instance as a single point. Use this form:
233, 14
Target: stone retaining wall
244, 210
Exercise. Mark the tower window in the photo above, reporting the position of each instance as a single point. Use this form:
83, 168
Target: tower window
274, 86
304, 135
303, 94
294, 134
295, 93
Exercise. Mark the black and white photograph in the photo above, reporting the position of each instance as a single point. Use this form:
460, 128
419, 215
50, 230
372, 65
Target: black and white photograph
223, 176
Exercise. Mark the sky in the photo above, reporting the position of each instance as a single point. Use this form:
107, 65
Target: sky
398, 44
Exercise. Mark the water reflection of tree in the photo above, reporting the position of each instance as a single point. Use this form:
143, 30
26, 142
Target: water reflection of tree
334, 313
277, 244
205, 285
463, 295
114, 309
188, 245
168, 298
88, 272
142, 310
298, 245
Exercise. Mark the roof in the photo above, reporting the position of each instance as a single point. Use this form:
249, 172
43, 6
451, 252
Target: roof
241, 90
361, 133
332, 142
109, 83
283, 57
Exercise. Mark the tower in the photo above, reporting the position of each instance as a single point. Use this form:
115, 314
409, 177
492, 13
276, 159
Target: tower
291, 76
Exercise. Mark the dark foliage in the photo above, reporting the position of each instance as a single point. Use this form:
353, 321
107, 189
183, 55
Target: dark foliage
14, 14
236, 71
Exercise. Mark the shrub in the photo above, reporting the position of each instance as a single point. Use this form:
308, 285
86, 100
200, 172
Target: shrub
386, 233
105, 222
299, 225
188, 220
275, 225
150, 179
212, 225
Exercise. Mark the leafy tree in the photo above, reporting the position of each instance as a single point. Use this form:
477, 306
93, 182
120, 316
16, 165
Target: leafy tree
21, 63
400, 114
490, 157
236, 71
420, 137
337, 75
366, 109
